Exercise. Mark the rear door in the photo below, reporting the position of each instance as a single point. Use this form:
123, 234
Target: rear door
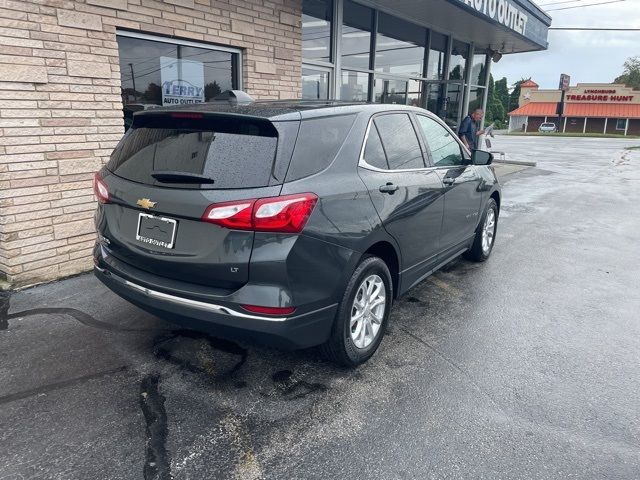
167, 171
462, 183
406, 194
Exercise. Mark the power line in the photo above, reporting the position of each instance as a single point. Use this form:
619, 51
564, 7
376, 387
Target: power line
559, 3
605, 29
584, 6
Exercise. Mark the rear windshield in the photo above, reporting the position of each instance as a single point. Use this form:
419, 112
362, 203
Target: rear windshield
225, 154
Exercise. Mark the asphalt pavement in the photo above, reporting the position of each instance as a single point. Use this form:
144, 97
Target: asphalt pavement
526, 366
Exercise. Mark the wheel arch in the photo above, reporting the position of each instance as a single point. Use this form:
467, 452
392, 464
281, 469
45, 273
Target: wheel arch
389, 255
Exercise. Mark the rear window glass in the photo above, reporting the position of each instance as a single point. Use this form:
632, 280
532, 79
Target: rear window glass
224, 159
318, 143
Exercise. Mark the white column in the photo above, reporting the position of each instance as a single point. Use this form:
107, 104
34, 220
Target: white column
584, 127
564, 126
545, 119
605, 125
626, 126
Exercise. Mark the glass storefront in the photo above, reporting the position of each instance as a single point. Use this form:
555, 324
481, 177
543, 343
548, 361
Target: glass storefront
156, 71
356, 36
399, 47
354, 86
374, 56
316, 29
315, 83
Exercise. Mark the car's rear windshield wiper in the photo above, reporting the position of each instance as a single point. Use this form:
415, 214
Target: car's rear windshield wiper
170, 176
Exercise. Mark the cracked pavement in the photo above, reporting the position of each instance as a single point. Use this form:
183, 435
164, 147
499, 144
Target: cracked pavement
526, 366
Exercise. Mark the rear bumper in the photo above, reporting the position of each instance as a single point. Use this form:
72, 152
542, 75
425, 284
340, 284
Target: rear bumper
292, 332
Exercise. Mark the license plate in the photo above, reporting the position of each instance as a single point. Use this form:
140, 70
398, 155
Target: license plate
157, 231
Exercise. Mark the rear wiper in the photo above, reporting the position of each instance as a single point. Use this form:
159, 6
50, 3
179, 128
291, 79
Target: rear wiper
171, 176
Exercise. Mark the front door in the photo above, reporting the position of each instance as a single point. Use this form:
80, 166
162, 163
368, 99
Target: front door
406, 195
462, 183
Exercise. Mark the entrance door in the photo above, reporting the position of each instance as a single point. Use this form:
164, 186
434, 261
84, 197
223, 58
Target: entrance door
462, 198
406, 195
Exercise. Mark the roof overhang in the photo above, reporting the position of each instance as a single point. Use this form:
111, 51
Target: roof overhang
506, 26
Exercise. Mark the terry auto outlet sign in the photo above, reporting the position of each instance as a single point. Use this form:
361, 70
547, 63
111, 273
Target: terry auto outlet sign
502, 11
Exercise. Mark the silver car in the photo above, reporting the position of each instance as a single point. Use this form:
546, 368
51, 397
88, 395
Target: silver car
548, 127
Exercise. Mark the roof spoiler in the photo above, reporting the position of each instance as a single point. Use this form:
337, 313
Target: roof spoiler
234, 97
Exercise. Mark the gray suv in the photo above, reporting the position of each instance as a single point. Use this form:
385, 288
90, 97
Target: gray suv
294, 223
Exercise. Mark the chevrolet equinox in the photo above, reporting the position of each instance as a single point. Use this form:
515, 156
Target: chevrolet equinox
291, 222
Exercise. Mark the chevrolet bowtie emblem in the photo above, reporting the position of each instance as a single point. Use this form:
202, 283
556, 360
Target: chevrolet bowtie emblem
146, 203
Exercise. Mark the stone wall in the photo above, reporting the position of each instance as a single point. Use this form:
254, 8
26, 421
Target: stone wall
61, 110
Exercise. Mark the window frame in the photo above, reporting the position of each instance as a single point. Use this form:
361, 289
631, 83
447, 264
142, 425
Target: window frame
190, 43
425, 158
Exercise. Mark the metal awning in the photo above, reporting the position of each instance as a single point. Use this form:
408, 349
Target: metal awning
506, 26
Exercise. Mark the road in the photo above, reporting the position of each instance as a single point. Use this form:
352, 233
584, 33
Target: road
527, 366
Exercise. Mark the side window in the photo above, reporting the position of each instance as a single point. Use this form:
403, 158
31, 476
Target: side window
445, 150
400, 141
317, 145
373, 152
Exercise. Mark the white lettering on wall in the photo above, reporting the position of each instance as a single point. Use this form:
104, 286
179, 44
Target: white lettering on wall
502, 11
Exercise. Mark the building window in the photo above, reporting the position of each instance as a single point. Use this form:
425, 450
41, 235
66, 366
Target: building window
356, 36
354, 86
451, 105
400, 47
476, 95
437, 55
458, 61
316, 29
156, 71
479, 68
390, 91
621, 124
315, 83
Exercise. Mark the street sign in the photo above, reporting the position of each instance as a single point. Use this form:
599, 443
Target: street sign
565, 80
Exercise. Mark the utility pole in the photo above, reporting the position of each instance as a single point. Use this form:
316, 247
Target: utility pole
133, 79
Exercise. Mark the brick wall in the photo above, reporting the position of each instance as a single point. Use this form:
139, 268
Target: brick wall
61, 110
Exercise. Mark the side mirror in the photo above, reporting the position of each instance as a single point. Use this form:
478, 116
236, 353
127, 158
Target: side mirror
480, 157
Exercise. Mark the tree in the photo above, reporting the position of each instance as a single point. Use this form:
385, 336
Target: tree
495, 110
211, 90
515, 93
502, 94
631, 73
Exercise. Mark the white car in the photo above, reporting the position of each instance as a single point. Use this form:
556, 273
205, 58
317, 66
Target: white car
548, 127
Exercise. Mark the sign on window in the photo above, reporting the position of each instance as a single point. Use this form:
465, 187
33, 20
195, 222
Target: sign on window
182, 81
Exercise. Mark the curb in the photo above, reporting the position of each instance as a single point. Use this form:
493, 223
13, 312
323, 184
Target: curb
515, 162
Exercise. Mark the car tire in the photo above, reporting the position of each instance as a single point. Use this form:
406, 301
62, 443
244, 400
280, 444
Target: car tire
349, 345
483, 245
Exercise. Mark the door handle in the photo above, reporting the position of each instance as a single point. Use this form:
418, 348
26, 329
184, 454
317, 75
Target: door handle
389, 188
448, 180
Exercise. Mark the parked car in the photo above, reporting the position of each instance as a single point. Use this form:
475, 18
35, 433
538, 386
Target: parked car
548, 127
295, 223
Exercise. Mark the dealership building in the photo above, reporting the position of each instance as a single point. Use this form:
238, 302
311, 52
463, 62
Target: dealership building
587, 108
72, 73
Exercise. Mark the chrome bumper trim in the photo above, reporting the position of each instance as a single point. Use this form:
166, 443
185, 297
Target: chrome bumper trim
211, 307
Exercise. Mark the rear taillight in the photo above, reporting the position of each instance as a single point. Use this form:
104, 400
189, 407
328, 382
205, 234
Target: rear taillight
100, 189
285, 214
236, 215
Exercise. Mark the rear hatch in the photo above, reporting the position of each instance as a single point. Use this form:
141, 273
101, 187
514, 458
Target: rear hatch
164, 174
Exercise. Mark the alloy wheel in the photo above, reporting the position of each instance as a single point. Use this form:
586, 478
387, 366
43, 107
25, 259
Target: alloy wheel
367, 311
488, 231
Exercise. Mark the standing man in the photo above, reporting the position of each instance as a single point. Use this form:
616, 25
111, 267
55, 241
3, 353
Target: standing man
470, 129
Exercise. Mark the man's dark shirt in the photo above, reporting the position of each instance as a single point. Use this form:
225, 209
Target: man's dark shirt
468, 129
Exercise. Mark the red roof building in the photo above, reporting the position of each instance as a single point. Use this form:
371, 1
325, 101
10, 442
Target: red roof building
587, 108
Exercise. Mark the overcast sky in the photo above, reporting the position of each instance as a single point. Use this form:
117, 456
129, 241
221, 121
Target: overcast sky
585, 56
